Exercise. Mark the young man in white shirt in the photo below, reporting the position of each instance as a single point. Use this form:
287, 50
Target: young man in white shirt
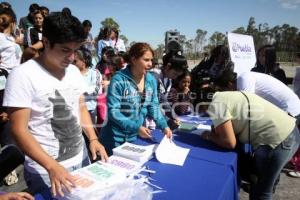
265, 86
48, 112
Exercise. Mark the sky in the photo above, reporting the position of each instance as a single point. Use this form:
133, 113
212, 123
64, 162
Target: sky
148, 20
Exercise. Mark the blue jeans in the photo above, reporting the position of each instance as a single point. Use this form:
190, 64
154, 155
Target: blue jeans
269, 163
40, 183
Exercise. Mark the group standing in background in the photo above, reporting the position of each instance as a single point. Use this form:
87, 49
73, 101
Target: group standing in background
117, 97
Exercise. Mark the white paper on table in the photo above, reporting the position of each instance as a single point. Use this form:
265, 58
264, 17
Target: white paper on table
168, 152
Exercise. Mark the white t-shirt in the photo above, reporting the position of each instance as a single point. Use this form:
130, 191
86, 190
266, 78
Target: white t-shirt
270, 89
120, 45
10, 52
54, 118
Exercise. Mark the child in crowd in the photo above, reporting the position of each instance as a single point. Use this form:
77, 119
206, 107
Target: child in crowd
107, 72
92, 78
180, 95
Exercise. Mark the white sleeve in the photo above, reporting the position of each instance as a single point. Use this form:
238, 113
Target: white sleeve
246, 82
18, 90
121, 45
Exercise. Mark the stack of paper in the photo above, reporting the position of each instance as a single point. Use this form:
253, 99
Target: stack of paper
126, 165
194, 124
93, 178
168, 152
135, 152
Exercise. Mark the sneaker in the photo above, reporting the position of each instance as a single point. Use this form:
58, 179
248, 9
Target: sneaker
294, 174
11, 178
289, 167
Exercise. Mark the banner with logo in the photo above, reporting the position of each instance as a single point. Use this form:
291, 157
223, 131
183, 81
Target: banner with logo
242, 52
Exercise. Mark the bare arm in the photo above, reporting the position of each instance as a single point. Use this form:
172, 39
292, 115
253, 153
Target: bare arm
223, 135
85, 119
39, 45
59, 177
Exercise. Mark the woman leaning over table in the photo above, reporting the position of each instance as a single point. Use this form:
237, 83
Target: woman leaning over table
132, 95
273, 135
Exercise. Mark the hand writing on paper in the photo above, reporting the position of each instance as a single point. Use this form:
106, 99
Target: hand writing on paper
168, 133
144, 132
98, 149
60, 179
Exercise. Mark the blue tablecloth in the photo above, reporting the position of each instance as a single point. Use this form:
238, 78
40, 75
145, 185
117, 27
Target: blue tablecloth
208, 172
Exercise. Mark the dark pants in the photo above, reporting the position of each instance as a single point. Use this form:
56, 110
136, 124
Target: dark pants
10, 159
269, 163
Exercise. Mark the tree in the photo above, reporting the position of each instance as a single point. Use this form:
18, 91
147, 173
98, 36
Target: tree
110, 22
200, 40
240, 30
251, 30
189, 48
217, 38
159, 51
182, 40
132, 43
124, 38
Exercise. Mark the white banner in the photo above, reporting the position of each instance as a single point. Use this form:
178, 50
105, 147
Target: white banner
242, 52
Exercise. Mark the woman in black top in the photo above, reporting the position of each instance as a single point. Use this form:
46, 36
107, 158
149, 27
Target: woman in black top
35, 33
266, 63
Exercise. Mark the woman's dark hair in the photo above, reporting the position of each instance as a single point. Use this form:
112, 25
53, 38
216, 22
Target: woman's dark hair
270, 57
5, 4
33, 7
67, 10
117, 34
7, 16
259, 51
177, 81
39, 12
87, 23
85, 55
220, 50
44, 10
184, 74
61, 27
108, 51
104, 33
176, 61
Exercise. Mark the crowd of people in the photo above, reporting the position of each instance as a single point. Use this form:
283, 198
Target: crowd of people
67, 99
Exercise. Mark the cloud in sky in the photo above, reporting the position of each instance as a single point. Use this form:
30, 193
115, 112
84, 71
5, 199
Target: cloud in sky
289, 4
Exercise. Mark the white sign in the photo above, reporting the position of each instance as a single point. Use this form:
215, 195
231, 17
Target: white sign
242, 52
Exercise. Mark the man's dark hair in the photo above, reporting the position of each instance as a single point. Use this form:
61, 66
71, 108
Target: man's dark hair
33, 7
226, 77
60, 27
87, 23
67, 10
177, 62
44, 8
5, 4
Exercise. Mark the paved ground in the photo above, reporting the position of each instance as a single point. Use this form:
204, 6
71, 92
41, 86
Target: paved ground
287, 189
